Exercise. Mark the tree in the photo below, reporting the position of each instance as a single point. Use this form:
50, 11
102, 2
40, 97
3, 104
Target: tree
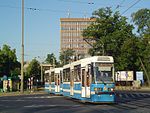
8, 61
141, 18
129, 57
109, 31
51, 59
34, 69
66, 56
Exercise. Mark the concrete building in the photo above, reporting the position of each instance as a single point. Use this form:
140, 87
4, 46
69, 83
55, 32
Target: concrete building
71, 34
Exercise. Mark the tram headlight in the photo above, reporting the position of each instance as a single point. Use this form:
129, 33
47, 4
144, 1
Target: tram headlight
95, 89
110, 89
98, 89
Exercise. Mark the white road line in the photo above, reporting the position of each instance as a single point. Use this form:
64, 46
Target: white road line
13, 100
34, 106
45, 97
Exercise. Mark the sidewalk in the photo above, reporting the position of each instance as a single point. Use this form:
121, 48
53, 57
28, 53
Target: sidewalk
129, 88
19, 93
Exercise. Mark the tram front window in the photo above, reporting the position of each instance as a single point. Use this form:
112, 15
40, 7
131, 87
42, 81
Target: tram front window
103, 72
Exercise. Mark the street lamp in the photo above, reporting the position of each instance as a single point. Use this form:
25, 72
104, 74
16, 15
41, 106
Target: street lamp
102, 45
22, 50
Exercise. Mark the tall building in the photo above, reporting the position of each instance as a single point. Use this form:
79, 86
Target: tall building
71, 34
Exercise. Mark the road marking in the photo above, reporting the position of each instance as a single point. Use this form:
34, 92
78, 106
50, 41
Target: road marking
45, 97
133, 95
13, 100
35, 106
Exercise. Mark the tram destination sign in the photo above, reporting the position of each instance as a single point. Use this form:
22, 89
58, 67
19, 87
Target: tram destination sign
104, 65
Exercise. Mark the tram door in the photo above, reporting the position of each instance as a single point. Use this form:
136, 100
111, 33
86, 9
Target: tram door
85, 83
71, 83
57, 83
50, 82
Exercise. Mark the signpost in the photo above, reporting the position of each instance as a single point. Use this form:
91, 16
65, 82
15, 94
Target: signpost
139, 76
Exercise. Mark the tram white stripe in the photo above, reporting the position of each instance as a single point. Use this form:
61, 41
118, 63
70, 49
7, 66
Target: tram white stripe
53, 88
66, 83
77, 91
66, 90
77, 82
92, 92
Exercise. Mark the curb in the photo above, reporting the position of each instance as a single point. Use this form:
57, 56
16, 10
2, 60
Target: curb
20, 94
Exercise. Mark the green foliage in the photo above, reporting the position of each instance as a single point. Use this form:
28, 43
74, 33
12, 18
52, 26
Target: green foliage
113, 36
51, 59
145, 54
34, 69
65, 56
130, 51
8, 62
110, 32
141, 18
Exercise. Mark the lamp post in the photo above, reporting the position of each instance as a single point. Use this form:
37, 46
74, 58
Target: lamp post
22, 50
102, 44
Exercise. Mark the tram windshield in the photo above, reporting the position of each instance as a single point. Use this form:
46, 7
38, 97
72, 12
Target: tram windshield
103, 72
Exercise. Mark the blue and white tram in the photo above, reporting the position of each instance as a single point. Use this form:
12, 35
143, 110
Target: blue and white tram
55, 81
90, 79
46, 83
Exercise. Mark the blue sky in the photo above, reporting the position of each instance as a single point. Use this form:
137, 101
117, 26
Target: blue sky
42, 26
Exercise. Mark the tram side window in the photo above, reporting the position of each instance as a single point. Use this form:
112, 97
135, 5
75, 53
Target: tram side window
83, 73
92, 73
56, 79
46, 77
52, 77
50, 80
66, 75
77, 73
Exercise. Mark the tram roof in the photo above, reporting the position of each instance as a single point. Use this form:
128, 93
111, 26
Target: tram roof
85, 61
57, 70
47, 71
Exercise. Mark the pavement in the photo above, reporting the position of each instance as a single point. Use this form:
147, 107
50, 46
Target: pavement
19, 93
128, 88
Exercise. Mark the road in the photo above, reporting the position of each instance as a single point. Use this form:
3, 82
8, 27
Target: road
126, 102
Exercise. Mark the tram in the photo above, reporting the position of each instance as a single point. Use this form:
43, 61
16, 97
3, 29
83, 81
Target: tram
46, 81
55, 81
89, 80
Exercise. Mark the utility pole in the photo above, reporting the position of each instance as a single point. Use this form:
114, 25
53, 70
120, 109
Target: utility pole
42, 73
22, 50
145, 71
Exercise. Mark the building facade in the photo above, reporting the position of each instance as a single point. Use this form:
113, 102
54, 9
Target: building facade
71, 34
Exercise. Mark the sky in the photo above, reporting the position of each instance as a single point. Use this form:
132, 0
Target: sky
42, 22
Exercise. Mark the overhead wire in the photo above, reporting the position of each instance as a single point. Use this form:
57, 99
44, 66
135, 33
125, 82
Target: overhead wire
41, 9
119, 5
130, 7
75, 1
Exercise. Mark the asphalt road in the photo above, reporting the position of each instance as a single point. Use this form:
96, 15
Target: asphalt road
126, 102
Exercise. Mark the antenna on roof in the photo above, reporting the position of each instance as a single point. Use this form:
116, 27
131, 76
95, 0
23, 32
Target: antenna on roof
68, 14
